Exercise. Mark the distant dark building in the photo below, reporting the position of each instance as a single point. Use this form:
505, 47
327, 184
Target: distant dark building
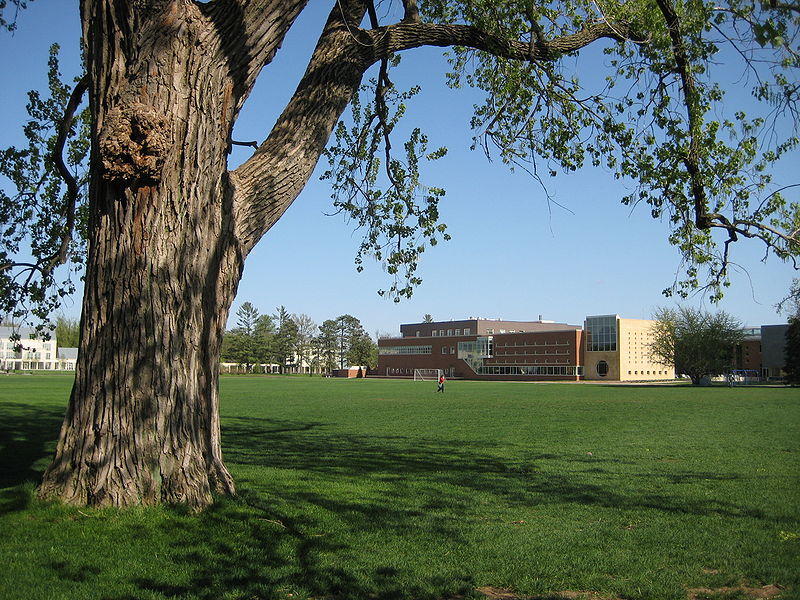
773, 350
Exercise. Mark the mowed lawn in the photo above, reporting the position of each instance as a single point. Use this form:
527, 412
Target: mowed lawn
385, 489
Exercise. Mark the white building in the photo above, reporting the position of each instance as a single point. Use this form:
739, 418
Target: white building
33, 354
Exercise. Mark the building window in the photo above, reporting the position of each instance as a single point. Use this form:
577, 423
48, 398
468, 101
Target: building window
602, 368
441, 332
444, 349
467, 331
418, 334
490, 331
458, 332
452, 349
449, 332
395, 350
433, 333
601, 334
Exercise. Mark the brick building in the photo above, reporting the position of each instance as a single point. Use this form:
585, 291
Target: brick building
523, 350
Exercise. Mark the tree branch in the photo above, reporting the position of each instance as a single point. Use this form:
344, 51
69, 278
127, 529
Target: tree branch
266, 184
72, 185
405, 36
692, 158
269, 181
252, 31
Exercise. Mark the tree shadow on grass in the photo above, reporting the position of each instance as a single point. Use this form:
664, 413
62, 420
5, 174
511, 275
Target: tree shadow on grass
270, 541
247, 548
27, 435
469, 467
293, 534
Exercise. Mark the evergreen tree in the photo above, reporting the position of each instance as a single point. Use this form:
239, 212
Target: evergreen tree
327, 345
363, 351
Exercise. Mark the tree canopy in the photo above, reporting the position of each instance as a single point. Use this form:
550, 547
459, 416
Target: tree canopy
698, 343
659, 117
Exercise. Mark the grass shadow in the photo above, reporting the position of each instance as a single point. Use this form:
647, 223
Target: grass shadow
244, 547
467, 468
27, 435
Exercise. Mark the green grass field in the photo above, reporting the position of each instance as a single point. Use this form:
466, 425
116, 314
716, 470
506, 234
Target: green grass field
385, 489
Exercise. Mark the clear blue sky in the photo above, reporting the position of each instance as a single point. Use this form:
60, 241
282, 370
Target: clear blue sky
512, 256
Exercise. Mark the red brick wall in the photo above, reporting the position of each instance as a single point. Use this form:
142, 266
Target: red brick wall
545, 348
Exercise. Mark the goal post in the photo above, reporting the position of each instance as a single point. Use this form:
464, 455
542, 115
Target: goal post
427, 374
744, 377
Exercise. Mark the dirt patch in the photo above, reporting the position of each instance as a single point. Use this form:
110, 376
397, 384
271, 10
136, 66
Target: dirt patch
749, 592
767, 591
494, 593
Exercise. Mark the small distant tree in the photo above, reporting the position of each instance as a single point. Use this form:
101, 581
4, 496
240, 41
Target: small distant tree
363, 351
245, 344
698, 343
67, 331
348, 331
263, 334
427, 318
326, 345
790, 305
306, 327
284, 344
246, 318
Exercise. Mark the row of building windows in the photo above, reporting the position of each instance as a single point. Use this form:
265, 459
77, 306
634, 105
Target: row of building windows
648, 373
501, 331
395, 350
25, 355
531, 343
10, 345
531, 353
530, 370
441, 332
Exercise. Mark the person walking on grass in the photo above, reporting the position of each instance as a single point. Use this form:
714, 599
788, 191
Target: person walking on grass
441, 384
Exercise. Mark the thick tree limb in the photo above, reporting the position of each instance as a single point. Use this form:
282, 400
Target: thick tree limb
266, 184
405, 36
252, 31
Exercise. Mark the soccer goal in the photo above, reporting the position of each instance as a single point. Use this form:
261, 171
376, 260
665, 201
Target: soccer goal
427, 374
744, 377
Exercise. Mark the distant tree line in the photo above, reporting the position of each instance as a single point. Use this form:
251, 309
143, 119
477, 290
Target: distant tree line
295, 343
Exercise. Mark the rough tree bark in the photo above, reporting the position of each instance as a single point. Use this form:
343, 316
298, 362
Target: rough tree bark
170, 227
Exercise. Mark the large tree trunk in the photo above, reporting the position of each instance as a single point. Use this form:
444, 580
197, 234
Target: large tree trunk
143, 424
164, 261
169, 230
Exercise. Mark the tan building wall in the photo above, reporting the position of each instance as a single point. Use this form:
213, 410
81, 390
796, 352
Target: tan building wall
631, 361
592, 363
636, 362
